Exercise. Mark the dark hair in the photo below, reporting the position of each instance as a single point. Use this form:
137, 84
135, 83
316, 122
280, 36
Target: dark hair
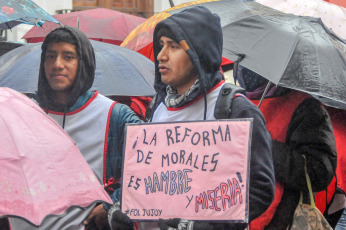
55, 36
85, 72
165, 31
59, 36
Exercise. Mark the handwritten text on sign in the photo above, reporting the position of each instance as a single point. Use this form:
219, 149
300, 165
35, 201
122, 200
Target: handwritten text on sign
191, 170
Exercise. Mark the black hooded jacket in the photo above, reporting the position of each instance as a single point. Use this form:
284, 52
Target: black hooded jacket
199, 32
205, 53
85, 72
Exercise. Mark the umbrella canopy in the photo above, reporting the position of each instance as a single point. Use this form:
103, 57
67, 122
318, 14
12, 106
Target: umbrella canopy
119, 71
141, 38
98, 24
333, 16
296, 52
6, 46
15, 12
291, 51
42, 171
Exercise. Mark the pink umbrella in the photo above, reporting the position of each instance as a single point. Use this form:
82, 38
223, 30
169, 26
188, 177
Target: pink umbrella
333, 16
42, 170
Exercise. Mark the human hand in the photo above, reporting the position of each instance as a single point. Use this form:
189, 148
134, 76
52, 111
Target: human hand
176, 224
182, 224
118, 220
98, 216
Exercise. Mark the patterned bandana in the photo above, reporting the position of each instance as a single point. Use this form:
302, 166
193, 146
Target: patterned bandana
174, 100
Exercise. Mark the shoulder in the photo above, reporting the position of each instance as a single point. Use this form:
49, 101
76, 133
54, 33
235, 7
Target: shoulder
242, 107
124, 114
310, 112
311, 105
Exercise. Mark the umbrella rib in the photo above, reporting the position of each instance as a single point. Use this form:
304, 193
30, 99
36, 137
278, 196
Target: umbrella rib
15, 146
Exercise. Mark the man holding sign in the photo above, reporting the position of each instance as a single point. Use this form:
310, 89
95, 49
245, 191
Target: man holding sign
188, 55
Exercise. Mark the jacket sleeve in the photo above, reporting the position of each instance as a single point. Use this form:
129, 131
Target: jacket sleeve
262, 180
120, 116
310, 133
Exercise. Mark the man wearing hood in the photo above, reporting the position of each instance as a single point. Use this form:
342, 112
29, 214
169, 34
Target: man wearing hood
94, 122
188, 55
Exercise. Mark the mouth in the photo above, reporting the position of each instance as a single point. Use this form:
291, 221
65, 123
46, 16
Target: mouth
58, 76
163, 69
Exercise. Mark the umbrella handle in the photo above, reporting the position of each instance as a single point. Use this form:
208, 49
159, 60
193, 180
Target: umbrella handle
235, 68
264, 93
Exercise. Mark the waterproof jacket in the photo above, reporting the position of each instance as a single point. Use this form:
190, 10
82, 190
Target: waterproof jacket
299, 126
80, 95
199, 33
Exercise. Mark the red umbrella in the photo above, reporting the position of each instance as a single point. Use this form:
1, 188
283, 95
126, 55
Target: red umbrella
98, 24
141, 38
337, 2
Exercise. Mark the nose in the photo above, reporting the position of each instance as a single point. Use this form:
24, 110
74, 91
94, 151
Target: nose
162, 56
58, 63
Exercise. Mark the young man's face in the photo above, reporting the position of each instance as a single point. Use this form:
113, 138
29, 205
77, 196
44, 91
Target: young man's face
175, 66
61, 64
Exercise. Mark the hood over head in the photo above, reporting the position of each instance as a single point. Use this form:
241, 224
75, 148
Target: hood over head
199, 32
85, 72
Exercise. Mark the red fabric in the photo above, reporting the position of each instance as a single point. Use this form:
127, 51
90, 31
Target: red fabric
136, 227
338, 118
147, 51
337, 2
277, 112
320, 197
136, 103
262, 221
111, 181
139, 105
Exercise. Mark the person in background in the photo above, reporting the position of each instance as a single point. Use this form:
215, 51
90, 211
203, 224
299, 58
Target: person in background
302, 133
188, 82
94, 122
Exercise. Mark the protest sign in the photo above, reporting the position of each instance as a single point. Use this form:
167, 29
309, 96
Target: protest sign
190, 170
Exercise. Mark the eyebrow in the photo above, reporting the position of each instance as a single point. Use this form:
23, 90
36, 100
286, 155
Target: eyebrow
169, 42
64, 52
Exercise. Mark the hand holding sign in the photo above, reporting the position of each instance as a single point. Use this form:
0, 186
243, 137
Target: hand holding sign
194, 170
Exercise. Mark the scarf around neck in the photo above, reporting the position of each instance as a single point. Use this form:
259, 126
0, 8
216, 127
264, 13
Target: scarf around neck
174, 100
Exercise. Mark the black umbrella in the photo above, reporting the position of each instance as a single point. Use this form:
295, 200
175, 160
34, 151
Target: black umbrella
119, 71
291, 51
